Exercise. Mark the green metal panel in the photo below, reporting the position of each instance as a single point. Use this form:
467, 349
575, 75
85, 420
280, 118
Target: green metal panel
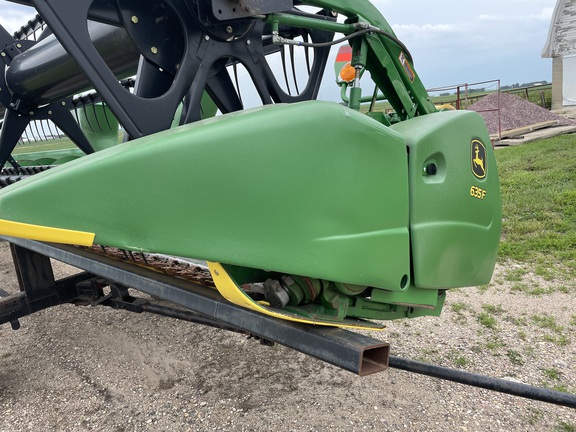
99, 125
455, 214
311, 189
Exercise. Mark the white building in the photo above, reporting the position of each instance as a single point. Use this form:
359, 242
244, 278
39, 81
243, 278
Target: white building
561, 48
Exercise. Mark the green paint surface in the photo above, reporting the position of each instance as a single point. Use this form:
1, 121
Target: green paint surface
311, 188
454, 234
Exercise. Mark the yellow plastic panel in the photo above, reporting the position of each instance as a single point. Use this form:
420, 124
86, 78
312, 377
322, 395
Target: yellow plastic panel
47, 234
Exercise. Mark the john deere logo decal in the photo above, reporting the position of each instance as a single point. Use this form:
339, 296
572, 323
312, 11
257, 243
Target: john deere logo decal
478, 159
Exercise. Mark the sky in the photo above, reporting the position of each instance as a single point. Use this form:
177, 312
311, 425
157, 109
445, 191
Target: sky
452, 41
465, 41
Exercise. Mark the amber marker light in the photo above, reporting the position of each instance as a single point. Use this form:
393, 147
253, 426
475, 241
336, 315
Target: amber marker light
347, 73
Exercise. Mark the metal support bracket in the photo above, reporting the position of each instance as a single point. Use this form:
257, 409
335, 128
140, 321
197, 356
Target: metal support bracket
351, 351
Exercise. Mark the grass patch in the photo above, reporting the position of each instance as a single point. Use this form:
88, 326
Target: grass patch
539, 206
557, 335
547, 322
488, 317
535, 416
552, 374
540, 291
483, 288
561, 388
488, 320
565, 427
460, 307
518, 321
519, 287
561, 339
493, 309
544, 272
532, 289
460, 362
515, 274
495, 344
51, 144
515, 357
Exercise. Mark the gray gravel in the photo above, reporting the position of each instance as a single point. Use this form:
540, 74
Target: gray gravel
84, 369
515, 112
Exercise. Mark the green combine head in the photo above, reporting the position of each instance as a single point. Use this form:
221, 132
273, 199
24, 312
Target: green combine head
305, 210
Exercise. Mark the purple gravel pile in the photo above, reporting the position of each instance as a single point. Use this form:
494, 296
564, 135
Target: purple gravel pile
515, 112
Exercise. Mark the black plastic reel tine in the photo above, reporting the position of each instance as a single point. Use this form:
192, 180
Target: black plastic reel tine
86, 117
91, 96
185, 107
32, 135
307, 53
61, 134
235, 69
44, 32
75, 104
54, 135
293, 68
283, 56
104, 108
49, 129
57, 134
37, 131
43, 131
131, 256
202, 113
374, 99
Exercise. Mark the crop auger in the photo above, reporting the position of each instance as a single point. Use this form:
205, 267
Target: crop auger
306, 210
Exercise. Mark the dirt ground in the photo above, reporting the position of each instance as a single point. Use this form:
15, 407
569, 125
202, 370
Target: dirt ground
81, 368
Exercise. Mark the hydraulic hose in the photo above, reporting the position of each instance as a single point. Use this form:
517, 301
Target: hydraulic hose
485, 382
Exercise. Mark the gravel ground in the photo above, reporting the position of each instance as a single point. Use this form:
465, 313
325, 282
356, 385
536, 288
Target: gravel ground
515, 112
80, 369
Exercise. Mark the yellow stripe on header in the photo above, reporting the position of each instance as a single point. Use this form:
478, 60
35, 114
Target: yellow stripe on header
47, 234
